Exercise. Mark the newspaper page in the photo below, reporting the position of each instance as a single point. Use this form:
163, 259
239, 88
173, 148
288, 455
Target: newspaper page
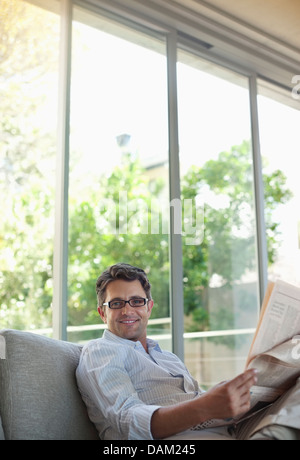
278, 369
280, 319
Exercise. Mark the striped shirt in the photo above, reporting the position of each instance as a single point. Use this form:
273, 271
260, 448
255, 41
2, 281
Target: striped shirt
122, 385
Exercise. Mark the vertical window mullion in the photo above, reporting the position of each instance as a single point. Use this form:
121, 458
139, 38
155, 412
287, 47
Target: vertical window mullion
60, 262
176, 266
262, 253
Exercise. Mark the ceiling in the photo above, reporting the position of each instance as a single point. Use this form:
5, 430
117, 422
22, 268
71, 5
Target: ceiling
273, 24
261, 36
266, 21
278, 20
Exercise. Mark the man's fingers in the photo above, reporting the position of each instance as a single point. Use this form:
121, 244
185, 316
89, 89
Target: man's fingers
245, 380
241, 385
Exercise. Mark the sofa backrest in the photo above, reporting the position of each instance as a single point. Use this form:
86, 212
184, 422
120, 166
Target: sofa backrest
39, 398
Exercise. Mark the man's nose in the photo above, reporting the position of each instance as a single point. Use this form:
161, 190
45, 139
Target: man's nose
126, 308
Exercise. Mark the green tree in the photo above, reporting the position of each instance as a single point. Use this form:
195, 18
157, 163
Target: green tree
111, 227
228, 246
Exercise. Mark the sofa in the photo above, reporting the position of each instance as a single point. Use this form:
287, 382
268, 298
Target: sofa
39, 398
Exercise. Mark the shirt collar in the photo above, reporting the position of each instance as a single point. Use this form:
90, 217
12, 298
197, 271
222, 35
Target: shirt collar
151, 344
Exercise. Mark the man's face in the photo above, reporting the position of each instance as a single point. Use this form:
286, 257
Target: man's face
128, 322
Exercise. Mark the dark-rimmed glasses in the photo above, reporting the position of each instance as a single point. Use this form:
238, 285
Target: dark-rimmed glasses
118, 304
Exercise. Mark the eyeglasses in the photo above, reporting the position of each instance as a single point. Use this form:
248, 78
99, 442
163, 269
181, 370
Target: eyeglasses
118, 304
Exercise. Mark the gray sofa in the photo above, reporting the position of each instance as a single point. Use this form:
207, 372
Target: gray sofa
39, 399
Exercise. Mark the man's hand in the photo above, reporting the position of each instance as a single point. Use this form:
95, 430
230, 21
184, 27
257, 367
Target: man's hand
225, 400
230, 398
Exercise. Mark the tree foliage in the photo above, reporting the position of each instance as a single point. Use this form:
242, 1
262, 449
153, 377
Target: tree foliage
228, 248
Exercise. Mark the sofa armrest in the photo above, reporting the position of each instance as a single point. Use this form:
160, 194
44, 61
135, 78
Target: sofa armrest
39, 395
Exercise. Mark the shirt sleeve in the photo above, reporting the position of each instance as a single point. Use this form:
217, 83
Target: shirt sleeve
115, 406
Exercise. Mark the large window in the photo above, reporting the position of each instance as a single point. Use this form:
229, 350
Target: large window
131, 99
28, 123
280, 146
118, 195
221, 279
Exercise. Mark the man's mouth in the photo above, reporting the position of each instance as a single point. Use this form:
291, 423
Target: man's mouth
128, 321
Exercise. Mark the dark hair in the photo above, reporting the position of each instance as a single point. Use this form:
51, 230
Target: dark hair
124, 272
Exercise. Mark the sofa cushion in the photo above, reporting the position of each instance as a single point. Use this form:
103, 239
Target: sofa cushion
39, 398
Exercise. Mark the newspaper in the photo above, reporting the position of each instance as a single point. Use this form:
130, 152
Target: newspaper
275, 353
278, 369
275, 347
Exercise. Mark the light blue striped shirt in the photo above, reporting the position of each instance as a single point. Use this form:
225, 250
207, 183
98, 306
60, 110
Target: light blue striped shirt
122, 385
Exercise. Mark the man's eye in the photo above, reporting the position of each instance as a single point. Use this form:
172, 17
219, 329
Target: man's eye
116, 304
137, 301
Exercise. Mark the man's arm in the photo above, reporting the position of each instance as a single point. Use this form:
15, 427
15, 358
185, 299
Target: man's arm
227, 399
111, 398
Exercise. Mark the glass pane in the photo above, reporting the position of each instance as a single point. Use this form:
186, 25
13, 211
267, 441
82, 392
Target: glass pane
219, 243
280, 148
118, 167
28, 91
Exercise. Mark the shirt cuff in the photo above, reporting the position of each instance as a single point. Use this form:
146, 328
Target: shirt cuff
140, 428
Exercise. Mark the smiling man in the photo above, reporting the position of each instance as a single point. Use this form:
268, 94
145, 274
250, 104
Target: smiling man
136, 391
127, 318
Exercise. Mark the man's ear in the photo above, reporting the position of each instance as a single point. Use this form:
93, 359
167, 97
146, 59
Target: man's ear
102, 313
150, 306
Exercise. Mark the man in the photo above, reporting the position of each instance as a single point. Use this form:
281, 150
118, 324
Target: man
133, 389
